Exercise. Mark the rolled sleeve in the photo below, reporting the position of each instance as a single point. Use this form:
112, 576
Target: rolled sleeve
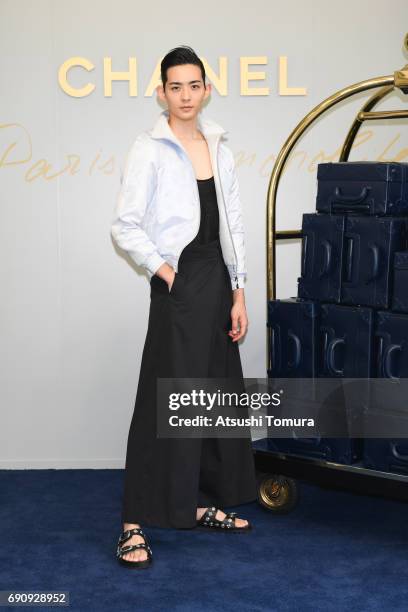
138, 187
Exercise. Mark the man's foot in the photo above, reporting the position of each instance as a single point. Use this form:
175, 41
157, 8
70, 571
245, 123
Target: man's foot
134, 555
220, 516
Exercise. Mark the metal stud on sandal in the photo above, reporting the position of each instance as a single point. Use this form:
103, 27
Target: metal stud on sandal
122, 550
228, 524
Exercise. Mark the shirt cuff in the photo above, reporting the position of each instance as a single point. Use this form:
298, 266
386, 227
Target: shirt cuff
238, 281
153, 262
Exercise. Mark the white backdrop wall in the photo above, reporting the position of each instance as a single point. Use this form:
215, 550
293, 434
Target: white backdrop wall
74, 309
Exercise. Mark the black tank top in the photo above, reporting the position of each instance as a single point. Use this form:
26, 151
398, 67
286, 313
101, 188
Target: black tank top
209, 223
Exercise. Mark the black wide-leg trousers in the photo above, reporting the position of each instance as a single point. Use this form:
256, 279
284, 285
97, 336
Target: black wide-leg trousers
166, 479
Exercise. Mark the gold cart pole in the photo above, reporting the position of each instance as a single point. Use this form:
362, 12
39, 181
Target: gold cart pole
365, 114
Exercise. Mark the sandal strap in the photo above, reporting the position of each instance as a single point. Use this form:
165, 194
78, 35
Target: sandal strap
229, 519
126, 535
209, 515
125, 549
209, 519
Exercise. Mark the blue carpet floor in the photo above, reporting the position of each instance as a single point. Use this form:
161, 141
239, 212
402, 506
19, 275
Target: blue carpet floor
335, 551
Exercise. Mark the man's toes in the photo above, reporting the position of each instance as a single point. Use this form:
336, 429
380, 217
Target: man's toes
138, 555
241, 522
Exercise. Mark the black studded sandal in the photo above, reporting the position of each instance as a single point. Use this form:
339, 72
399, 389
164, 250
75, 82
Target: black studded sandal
122, 550
208, 521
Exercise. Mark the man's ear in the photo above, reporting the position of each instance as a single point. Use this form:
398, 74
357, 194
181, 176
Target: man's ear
160, 92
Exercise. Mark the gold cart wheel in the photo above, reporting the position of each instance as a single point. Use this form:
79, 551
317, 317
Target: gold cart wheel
279, 494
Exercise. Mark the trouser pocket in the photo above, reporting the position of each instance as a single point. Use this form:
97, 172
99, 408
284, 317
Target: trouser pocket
177, 283
159, 285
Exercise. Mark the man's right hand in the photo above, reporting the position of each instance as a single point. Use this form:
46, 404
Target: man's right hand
167, 273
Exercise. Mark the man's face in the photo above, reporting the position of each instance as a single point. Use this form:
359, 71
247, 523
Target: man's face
185, 91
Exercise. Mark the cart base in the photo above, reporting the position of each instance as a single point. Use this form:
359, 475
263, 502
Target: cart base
353, 478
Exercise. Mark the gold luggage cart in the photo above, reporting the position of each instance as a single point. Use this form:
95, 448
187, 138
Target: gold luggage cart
278, 472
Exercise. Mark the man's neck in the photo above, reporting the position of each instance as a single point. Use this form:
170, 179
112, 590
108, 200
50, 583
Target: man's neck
186, 131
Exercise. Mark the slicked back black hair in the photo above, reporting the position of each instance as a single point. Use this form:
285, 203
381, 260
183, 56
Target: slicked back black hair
177, 56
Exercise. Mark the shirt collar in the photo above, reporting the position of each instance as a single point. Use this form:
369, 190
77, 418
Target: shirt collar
162, 129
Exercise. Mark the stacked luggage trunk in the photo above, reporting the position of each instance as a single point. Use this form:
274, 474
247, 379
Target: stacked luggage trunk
350, 316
